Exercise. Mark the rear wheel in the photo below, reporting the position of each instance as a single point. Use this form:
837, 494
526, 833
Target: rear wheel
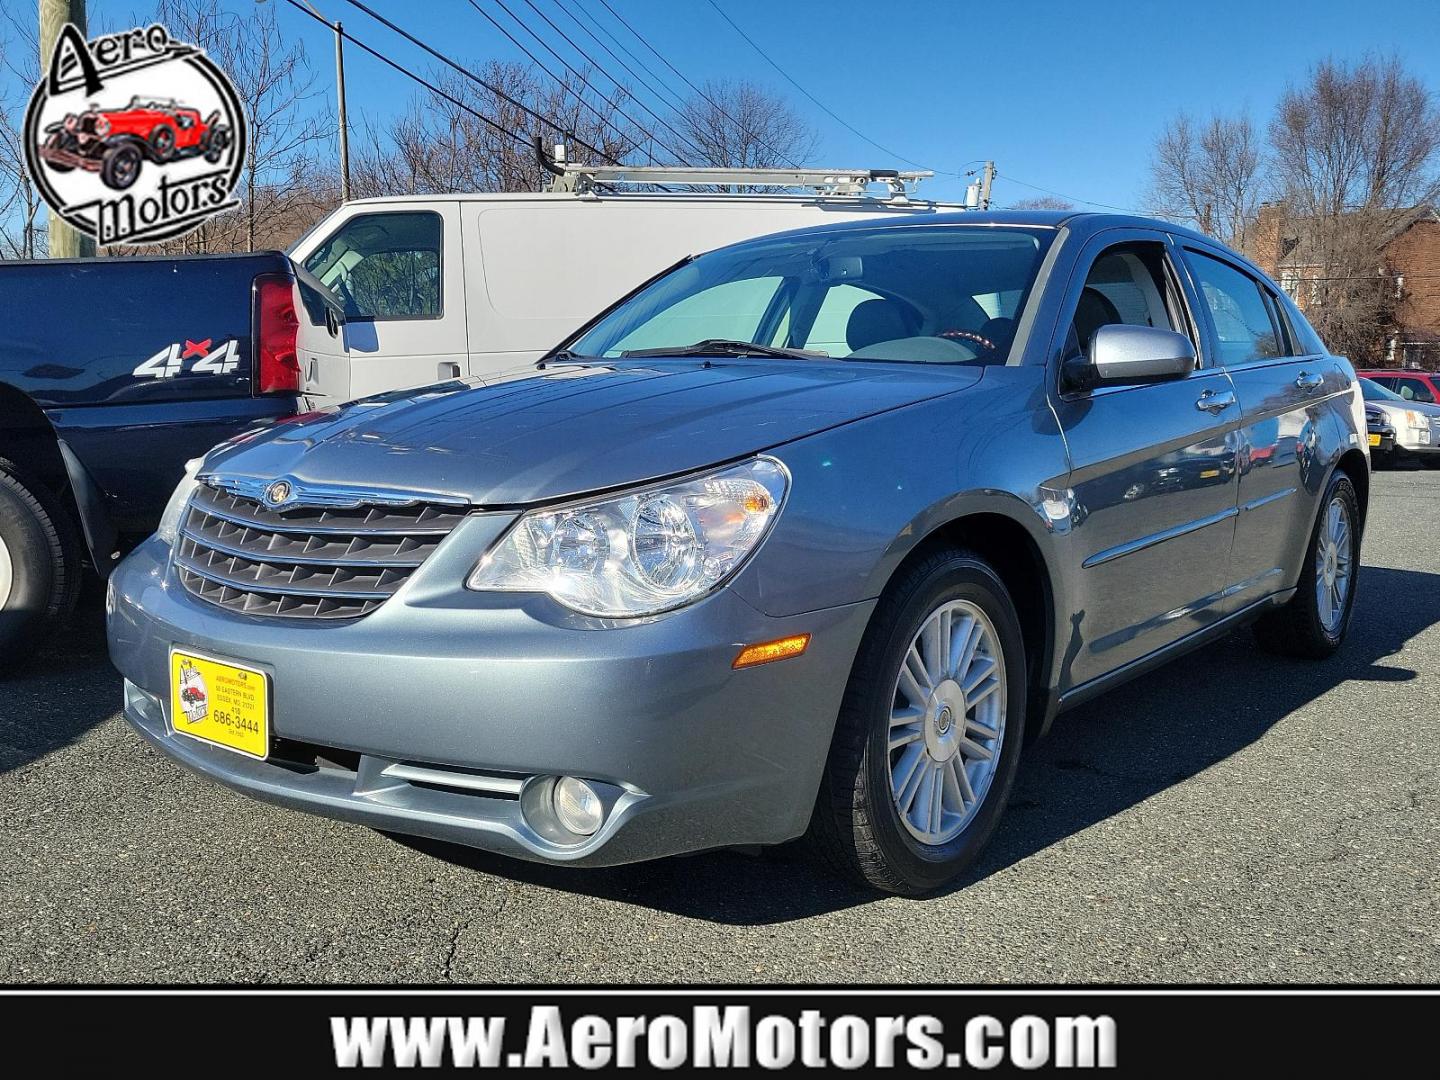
39, 564
929, 734
1314, 621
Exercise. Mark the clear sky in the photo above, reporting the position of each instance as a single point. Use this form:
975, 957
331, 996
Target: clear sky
1066, 96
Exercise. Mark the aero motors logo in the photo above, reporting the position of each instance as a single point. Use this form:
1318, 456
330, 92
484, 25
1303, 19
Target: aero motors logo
134, 138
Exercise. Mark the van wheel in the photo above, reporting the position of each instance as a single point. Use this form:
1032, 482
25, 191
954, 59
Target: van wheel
39, 565
1313, 622
929, 732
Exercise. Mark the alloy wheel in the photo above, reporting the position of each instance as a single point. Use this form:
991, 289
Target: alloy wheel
1334, 565
947, 722
7, 574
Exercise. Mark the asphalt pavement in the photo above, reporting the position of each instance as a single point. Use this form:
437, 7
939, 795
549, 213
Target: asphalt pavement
1231, 817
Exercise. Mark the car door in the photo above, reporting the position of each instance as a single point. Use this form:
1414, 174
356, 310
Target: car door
1283, 390
1153, 467
400, 277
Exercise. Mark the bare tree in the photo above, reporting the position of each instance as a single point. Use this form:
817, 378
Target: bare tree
473, 138
1044, 202
740, 124
1210, 175
284, 186
22, 216
1356, 150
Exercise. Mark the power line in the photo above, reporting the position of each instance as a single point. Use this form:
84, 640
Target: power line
1071, 198
665, 60
828, 111
675, 101
473, 78
496, 126
592, 61
563, 85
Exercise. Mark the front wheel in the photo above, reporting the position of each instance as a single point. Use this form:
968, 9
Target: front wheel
1313, 622
929, 732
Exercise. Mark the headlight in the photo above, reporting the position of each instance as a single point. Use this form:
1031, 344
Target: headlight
1417, 420
169, 526
642, 552
102, 126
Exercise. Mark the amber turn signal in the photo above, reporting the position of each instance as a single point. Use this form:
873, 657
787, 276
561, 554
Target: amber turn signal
770, 651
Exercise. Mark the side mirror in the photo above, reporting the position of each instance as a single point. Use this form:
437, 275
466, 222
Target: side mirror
1122, 354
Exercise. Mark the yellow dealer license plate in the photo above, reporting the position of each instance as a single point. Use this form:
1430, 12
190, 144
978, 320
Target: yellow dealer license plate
220, 702
1374, 440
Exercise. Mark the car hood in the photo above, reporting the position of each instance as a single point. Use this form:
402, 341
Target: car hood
577, 428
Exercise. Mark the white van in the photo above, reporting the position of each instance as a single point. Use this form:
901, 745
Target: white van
439, 287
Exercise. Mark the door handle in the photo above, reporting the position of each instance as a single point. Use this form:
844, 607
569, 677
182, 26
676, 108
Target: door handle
314, 373
1306, 381
448, 369
1213, 403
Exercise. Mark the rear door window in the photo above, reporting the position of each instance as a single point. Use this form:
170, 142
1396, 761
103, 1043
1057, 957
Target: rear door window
1244, 328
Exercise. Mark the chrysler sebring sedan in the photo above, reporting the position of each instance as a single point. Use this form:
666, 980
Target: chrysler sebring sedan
807, 537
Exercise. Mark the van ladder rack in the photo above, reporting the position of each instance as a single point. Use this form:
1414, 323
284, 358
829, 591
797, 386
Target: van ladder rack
568, 176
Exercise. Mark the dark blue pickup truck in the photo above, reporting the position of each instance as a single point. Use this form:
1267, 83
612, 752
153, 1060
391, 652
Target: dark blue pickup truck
113, 374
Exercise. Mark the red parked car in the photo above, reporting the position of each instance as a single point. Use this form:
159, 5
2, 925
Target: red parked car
115, 142
1422, 386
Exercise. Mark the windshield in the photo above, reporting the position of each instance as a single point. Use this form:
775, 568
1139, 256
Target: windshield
924, 294
1373, 391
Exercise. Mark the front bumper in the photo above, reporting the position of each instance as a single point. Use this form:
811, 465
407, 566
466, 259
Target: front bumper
413, 718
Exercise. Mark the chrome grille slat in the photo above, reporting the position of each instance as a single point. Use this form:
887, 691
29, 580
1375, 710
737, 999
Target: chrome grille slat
304, 562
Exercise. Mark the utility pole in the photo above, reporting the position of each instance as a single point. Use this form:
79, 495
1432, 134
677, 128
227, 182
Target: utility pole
977, 192
344, 131
344, 123
65, 242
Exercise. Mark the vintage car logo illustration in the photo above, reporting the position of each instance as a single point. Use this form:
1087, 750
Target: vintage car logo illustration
134, 138
194, 698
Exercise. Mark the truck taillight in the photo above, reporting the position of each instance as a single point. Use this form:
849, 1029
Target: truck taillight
276, 329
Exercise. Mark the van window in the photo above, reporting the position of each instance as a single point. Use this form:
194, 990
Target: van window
1244, 330
384, 266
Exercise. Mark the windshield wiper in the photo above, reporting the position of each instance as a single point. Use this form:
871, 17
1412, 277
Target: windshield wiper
727, 347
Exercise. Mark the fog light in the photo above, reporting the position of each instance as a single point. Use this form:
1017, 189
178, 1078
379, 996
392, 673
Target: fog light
577, 806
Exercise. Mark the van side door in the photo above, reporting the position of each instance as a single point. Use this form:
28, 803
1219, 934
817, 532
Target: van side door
399, 273
1153, 467
1286, 393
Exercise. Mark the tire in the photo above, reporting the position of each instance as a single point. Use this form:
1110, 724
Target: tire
39, 565
1304, 626
858, 825
162, 142
120, 166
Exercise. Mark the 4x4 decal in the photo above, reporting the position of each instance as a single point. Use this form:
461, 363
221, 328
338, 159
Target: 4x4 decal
170, 361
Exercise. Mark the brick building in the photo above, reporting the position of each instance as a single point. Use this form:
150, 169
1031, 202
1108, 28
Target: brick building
1408, 257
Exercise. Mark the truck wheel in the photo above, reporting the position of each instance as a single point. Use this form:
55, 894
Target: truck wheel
39, 565
1313, 622
162, 142
120, 166
930, 729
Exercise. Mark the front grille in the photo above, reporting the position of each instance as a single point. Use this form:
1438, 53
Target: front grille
304, 562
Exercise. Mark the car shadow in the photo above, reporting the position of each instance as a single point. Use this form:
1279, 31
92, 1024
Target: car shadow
62, 689
1098, 761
